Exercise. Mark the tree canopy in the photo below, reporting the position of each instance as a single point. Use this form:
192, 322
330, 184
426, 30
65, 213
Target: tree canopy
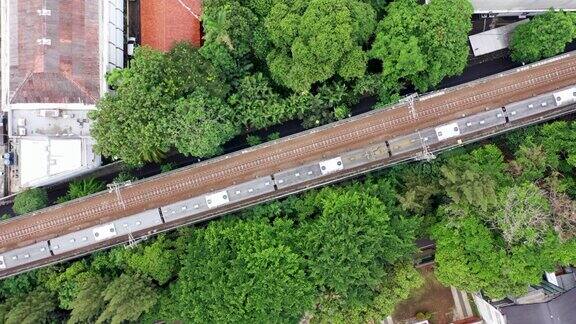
351, 244
243, 272
30, 200
139, 121
504, 246
82, 188
422, 43
544, 36
315, 40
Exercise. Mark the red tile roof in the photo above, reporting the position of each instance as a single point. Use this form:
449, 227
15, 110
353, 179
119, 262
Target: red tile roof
165, 22
65, 71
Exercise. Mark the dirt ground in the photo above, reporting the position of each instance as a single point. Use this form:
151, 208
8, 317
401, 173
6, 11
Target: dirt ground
432, 297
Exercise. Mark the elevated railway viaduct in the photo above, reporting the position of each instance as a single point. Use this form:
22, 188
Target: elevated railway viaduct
411, 129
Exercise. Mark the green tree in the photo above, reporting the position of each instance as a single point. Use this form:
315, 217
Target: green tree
468, 257
422, 43
444, 39
37, 307
558, 139
64, 282
313, 41
544, 36
397, 44
87, 304
398, 285
131, 123
19, 285
30, 200
127, 298
242, 271
257, 105
472, 257
350, 244
229, 29
158, 260
136, 122
202, 126
82, 188
404, 280
531, 162
473, 178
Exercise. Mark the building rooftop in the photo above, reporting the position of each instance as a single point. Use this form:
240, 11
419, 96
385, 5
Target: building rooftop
559, 310
45, 157
520, 6
164, 23
54, 51
494, 39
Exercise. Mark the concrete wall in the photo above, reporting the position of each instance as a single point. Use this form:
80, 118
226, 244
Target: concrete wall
519, 7
489, 313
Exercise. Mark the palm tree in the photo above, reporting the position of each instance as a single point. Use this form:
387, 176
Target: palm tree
217, 29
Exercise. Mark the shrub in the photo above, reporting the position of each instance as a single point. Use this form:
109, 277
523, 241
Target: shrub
30, 200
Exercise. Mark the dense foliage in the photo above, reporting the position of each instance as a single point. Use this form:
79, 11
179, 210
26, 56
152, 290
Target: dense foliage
501, 214
544, 36
30, 200
265, 62
339, 254
336, 253
503, 232
82, 188
422, 44
314, 40
142, 119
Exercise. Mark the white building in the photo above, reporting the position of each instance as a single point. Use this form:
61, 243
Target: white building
493, 8
494, 39
520, 7
55, 54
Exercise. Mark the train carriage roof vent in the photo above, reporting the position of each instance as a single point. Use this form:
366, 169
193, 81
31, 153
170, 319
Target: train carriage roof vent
565, 96
104, 232
217, 199
447, 131
332, 165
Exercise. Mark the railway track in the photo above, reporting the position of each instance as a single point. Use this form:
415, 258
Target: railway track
286, 153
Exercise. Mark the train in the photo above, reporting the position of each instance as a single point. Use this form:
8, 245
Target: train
417, 141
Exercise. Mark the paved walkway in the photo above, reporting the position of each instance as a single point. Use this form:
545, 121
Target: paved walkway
462, 308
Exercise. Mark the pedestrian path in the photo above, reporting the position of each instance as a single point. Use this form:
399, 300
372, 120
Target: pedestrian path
462, 308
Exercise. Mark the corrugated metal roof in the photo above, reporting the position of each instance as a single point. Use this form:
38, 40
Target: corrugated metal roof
165, 22
559, 310
54, 51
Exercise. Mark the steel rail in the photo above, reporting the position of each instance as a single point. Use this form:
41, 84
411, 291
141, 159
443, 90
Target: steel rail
544, 76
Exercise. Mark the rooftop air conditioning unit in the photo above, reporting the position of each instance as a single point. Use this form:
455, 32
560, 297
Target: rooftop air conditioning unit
49, 112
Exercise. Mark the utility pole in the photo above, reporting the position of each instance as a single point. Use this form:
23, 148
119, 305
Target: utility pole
426, 154
115, 187
409, 100
132, 242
